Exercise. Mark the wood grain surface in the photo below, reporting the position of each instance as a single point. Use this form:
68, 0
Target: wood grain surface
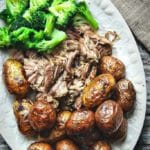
144, 141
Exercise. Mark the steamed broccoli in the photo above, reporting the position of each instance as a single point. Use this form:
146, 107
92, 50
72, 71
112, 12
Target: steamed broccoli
57, 37
4, 37
85, 12
26, 35
18, 23
34, 6
15, 7
63, 11
50, 22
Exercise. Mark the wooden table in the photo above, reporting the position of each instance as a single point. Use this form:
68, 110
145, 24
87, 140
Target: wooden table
144, 141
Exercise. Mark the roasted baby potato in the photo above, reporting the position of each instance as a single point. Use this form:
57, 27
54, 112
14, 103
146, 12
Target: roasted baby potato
42, 116
58, 132
66, 144
100, 145
21, 109
109, 116
80, 122
15, 78
98, 90
120, 133
125, 94
89, 138
113, 66
40, 146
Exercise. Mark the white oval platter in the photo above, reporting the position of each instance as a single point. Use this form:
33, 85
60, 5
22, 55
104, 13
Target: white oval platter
125, 49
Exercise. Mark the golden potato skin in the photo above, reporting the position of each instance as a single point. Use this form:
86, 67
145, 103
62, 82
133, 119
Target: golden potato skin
125, 94
42, 116
98, 90
66, 144
113, 66
21, 110
109, 116
15, 78
40, 146
101, 145
80, 122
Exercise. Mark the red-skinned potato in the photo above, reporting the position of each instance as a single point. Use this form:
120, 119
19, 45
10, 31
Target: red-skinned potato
113, 66
80, 122
40, 146
100, 145
42, 116
66, 144
98, 90
109, 116
125, 94
15, 78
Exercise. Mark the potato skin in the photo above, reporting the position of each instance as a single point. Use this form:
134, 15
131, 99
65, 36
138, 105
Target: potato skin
121, 133
98, 90
40, 146
21, 110
109, 116
125, 94
66, 144
58, 132
15, 78
42, 116
100, 145
113, 66
80, 122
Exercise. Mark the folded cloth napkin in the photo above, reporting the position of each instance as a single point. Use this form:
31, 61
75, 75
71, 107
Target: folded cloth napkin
137, 15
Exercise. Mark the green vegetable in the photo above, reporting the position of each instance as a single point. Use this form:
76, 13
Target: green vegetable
18, 23
4, 37
63, 11
34, 6
15, 7
50, 22
85, 12
57, 37
26, 36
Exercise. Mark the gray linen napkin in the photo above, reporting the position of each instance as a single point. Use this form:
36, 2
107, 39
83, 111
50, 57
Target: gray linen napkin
137, 15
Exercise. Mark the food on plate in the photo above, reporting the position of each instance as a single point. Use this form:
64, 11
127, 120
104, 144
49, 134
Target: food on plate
15, 78
21, 110
78, 91
101, 145
98, 90
66, 144
125, 94
120, 133
42, 116
58, 132
40, 146
109, 116
113, 66
80, 122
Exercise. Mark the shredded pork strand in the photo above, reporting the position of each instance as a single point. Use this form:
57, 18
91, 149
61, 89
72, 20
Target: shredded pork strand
61, 76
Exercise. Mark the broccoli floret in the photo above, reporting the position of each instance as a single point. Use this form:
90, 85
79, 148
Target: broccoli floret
56, 2
26, 35
19, 22
5, 16
4, 37
57, 37
85, 12
50, 22
34, 6
16, 7
63, 11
